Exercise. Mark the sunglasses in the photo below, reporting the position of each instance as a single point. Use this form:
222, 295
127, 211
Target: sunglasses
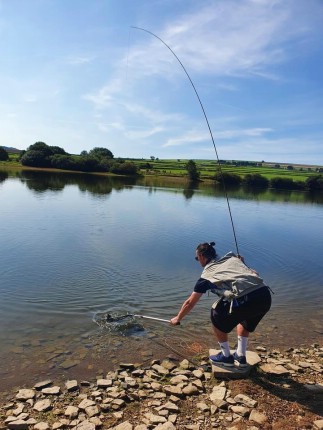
196, 258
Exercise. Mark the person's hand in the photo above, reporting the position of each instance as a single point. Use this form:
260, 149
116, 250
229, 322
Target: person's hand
174, 321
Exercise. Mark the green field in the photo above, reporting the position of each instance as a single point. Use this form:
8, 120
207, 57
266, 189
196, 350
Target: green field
208, 168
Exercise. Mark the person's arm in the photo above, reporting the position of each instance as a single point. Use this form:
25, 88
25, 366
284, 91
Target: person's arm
187, 306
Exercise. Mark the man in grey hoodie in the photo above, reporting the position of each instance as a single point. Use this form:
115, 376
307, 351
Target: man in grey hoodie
243, 300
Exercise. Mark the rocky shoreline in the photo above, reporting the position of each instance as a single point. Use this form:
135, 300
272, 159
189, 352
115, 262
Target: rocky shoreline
284, 391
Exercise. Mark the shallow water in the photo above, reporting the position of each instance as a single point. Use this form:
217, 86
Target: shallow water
75, 246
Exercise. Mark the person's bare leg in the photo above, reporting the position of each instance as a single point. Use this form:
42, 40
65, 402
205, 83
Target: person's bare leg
241, 331
223, 341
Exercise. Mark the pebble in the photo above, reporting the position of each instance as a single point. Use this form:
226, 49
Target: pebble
160, 389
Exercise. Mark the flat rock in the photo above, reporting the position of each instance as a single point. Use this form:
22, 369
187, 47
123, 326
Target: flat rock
234, 372
274, 369
43, 384
18, 425
25, 394
318, 424
51, 390
42, 405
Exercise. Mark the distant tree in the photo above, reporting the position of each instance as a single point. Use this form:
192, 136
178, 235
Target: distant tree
314, 183
193, 173
35, 158
277, 166
57, 150
285, 184
230, 179
41, 147
290, 167
65, 162
4, 156
100, 153
125, 168
255, 180
152, 158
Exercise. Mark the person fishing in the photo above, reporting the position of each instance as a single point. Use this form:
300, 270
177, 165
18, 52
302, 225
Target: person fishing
243, 300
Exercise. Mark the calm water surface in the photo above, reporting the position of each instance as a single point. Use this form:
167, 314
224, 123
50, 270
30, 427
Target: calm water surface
74, 247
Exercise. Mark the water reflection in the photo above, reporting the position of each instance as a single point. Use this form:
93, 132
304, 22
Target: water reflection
41, 181
3, 176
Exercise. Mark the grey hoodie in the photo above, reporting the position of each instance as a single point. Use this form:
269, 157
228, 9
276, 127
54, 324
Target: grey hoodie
231, 277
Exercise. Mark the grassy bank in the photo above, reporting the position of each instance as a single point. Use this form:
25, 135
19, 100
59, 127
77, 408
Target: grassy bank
207, 168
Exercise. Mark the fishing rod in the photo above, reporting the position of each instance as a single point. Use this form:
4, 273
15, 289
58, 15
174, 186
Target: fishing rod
207, 122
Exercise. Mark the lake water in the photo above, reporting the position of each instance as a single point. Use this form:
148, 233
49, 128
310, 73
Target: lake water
75, 247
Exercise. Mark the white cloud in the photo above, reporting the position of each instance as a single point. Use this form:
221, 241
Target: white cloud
225, 38
80, 59
143, 134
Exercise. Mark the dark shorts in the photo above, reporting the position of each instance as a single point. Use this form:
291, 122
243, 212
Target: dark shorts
247, 311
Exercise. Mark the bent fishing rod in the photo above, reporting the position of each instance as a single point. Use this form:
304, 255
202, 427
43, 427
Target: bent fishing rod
208, 125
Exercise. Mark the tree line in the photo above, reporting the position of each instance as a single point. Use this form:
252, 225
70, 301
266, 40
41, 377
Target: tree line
102, 160
255, 180
96, 160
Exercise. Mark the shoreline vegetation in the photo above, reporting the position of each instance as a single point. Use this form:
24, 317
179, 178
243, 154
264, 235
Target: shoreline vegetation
228, 173
282, 391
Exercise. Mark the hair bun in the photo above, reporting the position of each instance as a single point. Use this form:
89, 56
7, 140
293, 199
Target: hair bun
212, 243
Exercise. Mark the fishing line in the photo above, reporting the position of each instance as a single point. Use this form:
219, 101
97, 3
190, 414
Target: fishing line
208, 125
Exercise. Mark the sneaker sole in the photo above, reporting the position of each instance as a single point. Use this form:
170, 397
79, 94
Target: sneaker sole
241, 365
238, 364
217, 363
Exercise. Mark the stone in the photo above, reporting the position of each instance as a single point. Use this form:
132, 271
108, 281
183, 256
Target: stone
218, 393
42, 405
173, 390
86, 403
84, 425
51, 390
170, 406
274, 369
240, 410
184, 364
41, 426
202, 406
18, 425
126, 425
155, 419
166, 426
71, 411
234, 372
190, 390
25, 394
129, 366
43, 384
160, 369
245, 400
178, 379
104, 383
92, 411
67, 364
318, 424
257, 417
71, 385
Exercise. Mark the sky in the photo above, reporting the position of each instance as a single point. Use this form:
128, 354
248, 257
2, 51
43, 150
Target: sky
76, 74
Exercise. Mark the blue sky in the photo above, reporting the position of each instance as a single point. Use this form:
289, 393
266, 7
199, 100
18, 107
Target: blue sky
73, 73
